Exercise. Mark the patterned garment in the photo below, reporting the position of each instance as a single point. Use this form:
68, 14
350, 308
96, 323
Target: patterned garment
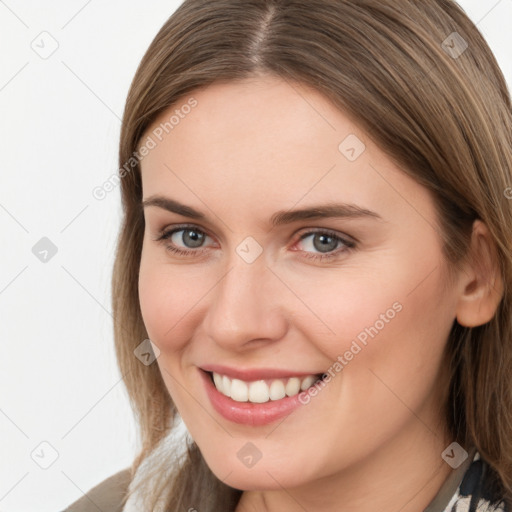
473, 494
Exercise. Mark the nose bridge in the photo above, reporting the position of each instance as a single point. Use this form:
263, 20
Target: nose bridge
243, 304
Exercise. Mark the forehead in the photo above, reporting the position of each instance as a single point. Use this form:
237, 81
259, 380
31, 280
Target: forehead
251, 115
266, 144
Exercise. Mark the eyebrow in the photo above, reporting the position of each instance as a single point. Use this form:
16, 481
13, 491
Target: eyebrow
328, 210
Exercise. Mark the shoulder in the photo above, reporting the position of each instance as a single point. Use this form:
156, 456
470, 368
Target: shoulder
107, 495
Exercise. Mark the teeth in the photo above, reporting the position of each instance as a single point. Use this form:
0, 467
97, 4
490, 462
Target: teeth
292, 386
307, 383
239, 390
218, 380
259, 391
277, 390
226, 386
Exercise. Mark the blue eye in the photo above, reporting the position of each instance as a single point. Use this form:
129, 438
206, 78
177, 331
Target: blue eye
327, 243
323, 244
191, 237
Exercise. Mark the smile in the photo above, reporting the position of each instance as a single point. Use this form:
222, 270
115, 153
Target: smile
261, 391
255, 397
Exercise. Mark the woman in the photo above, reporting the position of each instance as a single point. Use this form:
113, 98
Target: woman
316, 240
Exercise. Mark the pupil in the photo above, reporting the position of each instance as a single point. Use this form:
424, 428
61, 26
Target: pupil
192, 238
327, 243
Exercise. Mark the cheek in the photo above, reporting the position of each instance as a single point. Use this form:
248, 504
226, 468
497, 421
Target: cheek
167, 298
397, 369
345, 305
389, 315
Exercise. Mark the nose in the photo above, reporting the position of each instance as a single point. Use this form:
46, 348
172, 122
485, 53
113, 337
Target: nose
247, 307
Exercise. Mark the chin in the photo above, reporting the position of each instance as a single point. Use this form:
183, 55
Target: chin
260, 481
270, 475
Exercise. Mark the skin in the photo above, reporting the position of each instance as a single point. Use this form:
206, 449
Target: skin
372, 438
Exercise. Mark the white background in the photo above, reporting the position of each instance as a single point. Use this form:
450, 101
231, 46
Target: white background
59, 131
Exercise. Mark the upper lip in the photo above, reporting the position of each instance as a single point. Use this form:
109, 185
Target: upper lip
253, 374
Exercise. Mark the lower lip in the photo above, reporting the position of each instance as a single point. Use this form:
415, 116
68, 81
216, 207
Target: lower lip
247, 413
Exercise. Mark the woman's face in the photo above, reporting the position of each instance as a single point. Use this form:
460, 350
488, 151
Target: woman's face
265, 296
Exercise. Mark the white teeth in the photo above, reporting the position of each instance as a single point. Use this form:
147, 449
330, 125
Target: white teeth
277, 390
307, 383
226, 386
239, 390
218, 381
292, 386
259, 391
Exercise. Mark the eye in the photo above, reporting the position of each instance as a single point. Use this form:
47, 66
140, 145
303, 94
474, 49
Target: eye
183, 240
191, 238
322, 244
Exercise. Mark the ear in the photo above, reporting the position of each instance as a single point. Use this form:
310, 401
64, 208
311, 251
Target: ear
481, 282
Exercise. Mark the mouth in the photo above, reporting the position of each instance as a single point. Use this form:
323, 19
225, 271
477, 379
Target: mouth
263, 390
257, 397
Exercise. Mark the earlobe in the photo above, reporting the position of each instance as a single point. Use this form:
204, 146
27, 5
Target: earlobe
481, 283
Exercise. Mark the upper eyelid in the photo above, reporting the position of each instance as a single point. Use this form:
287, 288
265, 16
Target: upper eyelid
333, 232
301, 233
175, 229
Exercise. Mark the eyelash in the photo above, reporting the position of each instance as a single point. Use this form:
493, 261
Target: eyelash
164, 235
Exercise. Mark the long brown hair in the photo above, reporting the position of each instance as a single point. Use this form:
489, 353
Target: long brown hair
419, 79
